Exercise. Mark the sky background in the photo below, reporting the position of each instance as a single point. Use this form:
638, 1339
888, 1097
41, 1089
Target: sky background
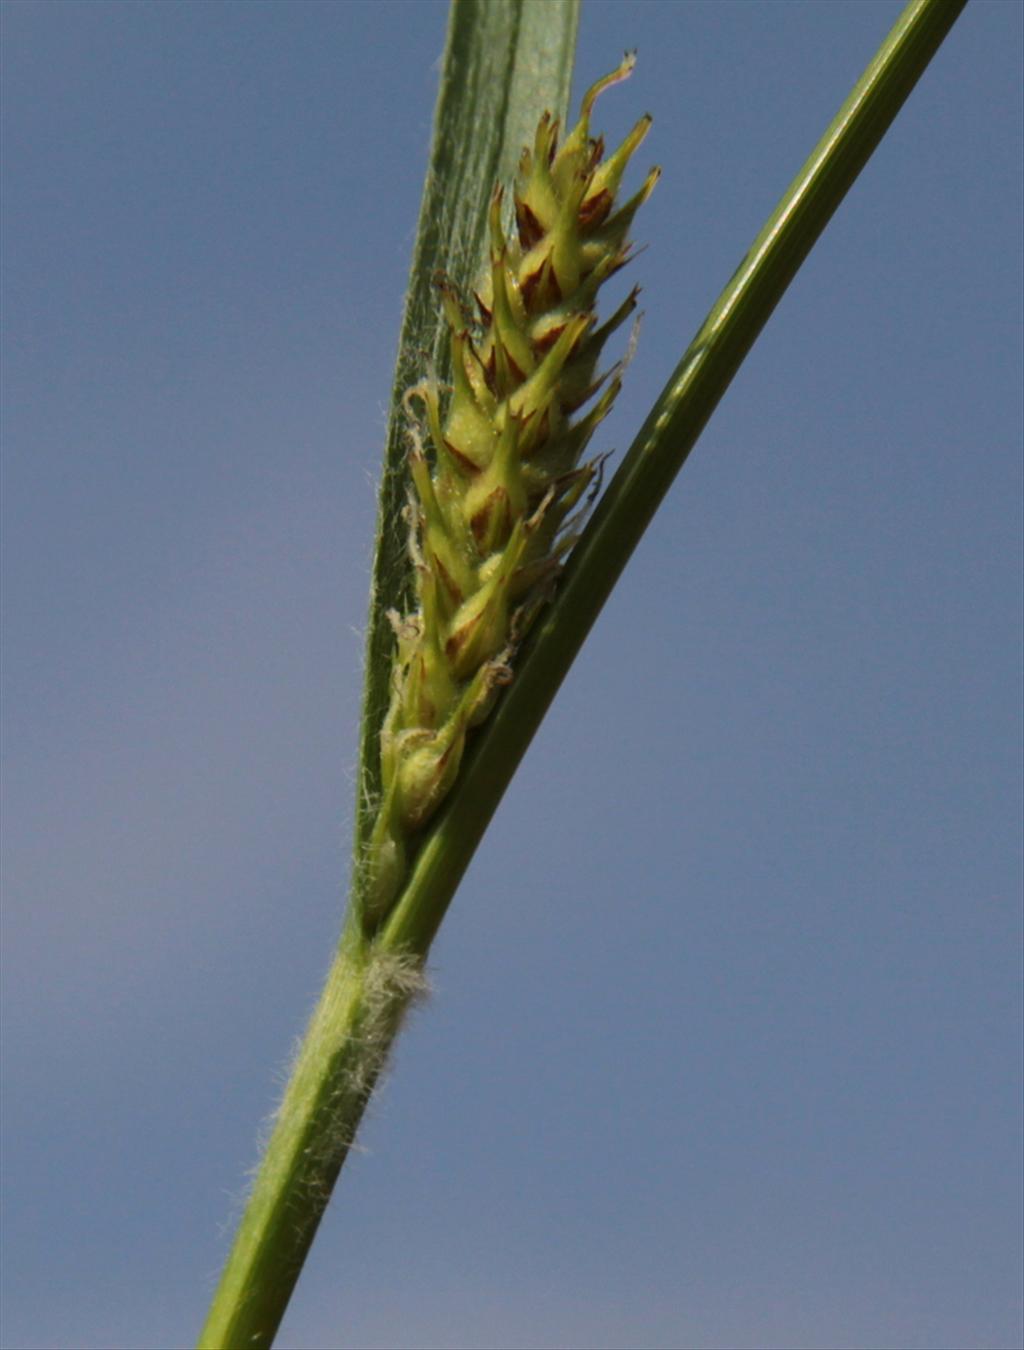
725, 1045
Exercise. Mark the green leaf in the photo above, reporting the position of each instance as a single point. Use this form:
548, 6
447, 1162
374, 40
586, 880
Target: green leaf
506, 61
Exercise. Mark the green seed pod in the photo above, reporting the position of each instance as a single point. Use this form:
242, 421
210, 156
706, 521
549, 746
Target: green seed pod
493, 497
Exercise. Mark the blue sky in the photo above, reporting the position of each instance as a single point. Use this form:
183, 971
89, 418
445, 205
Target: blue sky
725, 1044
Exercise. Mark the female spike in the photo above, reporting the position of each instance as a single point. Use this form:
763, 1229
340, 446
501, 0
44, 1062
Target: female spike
492, 499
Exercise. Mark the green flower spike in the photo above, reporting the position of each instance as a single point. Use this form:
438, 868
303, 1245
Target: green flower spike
491, 503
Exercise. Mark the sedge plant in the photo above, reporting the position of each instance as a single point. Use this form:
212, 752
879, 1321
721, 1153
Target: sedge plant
489, 570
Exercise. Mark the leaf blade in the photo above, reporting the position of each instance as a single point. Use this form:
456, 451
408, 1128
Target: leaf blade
505, 62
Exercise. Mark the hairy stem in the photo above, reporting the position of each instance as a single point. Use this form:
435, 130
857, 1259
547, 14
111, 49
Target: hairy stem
343, 1051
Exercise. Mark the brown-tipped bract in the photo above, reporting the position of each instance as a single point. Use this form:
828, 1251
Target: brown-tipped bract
490, 509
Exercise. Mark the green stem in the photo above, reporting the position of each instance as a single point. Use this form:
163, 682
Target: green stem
326, 1095
370, 984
